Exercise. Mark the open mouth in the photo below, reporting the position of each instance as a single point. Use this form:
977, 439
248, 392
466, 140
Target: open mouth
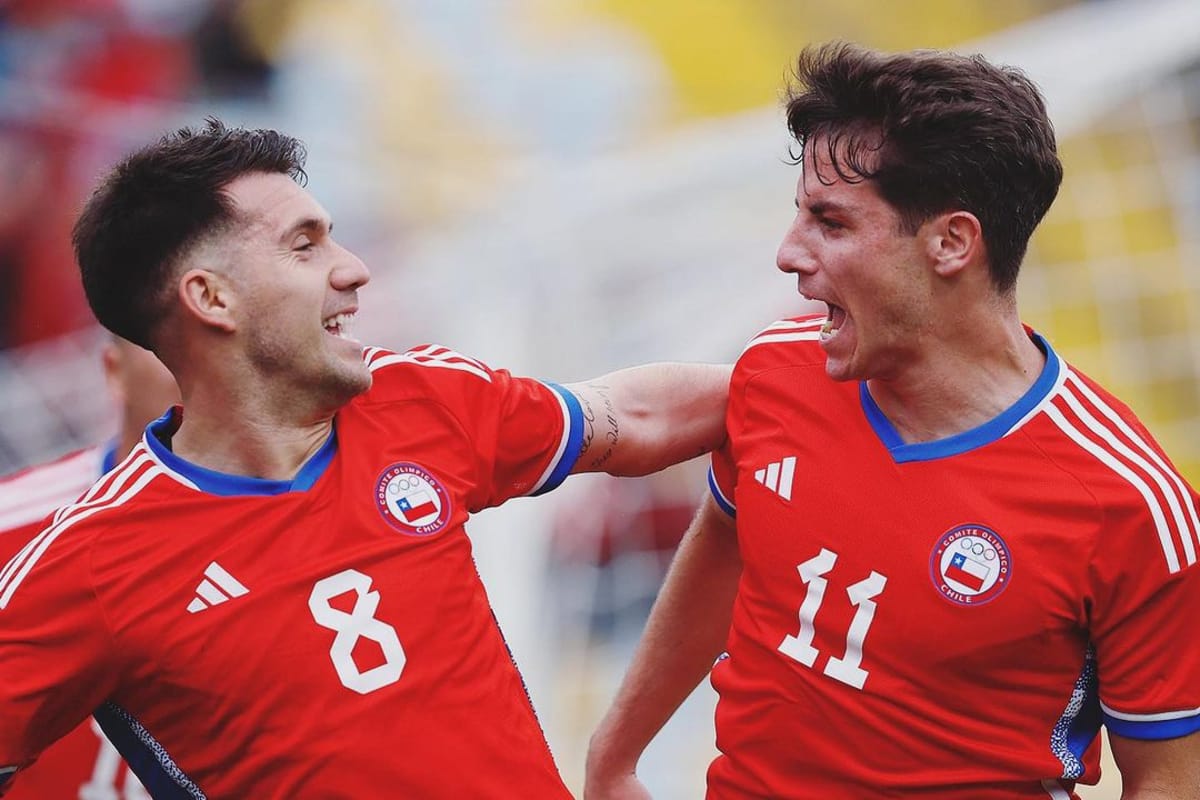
339, 324
833, 321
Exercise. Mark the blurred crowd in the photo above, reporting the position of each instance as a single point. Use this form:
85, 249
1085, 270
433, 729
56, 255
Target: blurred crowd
415, 108
73, 74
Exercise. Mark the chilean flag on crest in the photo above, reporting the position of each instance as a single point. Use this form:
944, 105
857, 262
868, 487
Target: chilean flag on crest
967, 571
416, 506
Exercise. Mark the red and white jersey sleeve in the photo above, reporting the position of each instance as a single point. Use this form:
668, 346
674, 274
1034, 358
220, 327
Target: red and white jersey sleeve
83, 762
27, 496
945, 619
756, 357
523, 435
1144, 577
46, 700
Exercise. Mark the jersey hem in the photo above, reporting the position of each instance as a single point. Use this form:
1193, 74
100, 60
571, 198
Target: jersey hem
564, 461
722, 501
1156, 730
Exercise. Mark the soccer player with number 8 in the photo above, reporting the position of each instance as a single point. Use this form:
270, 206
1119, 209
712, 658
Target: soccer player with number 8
273, 595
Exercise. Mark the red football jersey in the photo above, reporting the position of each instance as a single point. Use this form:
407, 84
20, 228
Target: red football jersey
26, 497
324, 637
82, 764
951, 619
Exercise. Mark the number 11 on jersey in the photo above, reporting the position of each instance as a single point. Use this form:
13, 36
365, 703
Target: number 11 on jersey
862, 596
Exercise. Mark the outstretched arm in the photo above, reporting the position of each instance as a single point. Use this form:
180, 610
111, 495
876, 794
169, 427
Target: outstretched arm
1167, 769
685, 633
642, 419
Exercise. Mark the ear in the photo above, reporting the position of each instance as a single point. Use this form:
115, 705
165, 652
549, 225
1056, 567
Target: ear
208, 298
110, 360
955, 241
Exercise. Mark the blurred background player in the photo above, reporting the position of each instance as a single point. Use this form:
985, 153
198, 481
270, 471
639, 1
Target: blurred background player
84, 765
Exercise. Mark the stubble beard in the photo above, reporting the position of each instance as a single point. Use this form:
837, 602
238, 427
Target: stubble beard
324, 381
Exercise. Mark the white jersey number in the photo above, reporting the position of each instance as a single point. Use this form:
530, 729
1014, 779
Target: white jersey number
360, 623
862, 596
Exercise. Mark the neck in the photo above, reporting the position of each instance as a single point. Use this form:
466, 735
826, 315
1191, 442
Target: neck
257, 434
967, 377
127, 438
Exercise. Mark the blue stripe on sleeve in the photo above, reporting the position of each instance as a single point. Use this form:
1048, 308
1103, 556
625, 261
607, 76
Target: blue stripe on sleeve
1153, 729
726, 505
574, 433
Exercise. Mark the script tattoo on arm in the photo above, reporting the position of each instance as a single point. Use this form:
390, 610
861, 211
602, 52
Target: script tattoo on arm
600, 428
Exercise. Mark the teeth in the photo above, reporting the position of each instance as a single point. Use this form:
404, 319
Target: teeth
338, 324
828, 331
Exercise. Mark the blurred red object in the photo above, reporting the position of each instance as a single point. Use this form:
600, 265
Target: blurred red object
621, 515
90, 57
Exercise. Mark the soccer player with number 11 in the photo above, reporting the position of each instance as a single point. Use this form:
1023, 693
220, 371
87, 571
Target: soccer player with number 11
937, 557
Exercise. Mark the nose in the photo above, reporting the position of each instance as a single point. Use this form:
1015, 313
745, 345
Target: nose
350, 272
793, 256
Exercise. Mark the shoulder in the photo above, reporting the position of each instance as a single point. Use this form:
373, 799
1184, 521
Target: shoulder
1096, 430
30, 494
422, 370
789, 342
1139, 495
62, 539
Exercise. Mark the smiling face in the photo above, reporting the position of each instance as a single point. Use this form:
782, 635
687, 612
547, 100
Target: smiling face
848, 249
296, 290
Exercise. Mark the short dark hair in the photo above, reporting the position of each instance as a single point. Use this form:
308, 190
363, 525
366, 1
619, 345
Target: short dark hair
157, 203
934, 131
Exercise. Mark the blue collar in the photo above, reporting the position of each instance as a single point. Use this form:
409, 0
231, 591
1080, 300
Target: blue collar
984, 434
108, 458
158, 439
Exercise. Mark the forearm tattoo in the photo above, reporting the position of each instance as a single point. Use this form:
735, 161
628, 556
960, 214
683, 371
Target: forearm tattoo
601, 429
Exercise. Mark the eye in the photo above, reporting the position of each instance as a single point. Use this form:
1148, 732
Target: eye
830, 224
303, 246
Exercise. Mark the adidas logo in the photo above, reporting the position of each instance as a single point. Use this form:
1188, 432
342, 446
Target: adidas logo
217, 587
777, 476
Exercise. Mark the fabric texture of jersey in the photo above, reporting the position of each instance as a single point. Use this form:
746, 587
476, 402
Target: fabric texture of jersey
949, 619
82, 763
321, 637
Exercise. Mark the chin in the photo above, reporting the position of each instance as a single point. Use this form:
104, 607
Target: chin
357, 381
839, 369
343, 382
838, 372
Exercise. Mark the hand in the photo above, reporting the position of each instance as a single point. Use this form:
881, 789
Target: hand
618, 787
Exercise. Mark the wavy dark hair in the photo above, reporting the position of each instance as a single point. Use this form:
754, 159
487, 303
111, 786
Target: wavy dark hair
934, 131
157, 203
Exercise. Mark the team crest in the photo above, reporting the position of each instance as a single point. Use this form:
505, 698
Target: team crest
412, 500
971, 565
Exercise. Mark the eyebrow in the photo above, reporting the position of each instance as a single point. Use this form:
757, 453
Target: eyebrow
820, 207
311, 224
